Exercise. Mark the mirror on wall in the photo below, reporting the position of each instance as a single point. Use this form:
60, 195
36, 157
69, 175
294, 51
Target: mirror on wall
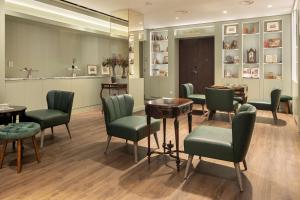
73, 43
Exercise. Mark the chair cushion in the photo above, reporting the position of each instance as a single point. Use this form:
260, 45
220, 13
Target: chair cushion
261, 105
212, 142
285, 98
20, 130
235, 104
47, 117
238, 99
132, 128
197, 98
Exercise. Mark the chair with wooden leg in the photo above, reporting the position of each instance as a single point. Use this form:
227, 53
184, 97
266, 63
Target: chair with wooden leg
18, 132
58, 113
269, 105
187, 91
220, 100
121, 123
221, 143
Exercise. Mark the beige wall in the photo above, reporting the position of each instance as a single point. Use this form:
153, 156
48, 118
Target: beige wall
258, 89
2, 51
50, 49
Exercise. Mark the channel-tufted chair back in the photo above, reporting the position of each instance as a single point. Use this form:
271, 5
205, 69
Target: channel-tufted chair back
186, 90
60, 100
116, 107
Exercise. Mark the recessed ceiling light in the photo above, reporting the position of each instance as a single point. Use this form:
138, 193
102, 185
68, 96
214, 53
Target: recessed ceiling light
246, 2
177, 18
270, 6
224, 11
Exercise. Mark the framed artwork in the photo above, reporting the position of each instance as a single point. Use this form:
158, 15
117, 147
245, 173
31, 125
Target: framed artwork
272, 26
255, 72
92, 69
105, 70
247, 72
275, 42
230, 29
269, 58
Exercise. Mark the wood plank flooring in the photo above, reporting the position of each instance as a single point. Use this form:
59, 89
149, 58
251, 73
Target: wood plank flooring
78, 169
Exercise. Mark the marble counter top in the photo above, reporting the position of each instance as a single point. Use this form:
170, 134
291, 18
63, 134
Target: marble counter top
49, 78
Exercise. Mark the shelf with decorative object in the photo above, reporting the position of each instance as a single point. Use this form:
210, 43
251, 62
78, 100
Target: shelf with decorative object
231, 51
273, 49
251, 50
159, 53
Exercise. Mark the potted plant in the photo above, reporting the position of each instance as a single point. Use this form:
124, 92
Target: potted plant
112, 62
124, 65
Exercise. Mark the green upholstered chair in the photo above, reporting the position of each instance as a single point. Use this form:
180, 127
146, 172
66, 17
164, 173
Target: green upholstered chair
221, 143
187, 91
59, 112
18, 132
285, 99
121, 123
221, 100
270, 106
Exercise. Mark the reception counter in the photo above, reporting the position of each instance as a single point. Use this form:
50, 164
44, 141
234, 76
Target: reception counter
31, 92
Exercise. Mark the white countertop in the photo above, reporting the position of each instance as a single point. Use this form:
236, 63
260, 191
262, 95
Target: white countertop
43, 78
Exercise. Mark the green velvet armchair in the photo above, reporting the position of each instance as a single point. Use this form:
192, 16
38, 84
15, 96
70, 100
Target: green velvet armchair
187, 91
121, 123
269, 106
221, 143
59, 112
221, 100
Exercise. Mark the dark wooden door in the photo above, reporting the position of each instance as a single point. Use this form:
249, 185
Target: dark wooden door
197, 62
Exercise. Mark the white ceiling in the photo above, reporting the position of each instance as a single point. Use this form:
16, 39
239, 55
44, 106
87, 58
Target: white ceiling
162, 13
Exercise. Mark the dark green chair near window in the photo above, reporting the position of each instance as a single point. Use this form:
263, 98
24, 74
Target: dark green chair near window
121, 123
58, 113
221, 143
221, 100
269, 106
18, 132
187, 91
285, 99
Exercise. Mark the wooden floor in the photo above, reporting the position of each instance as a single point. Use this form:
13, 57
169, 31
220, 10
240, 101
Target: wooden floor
78, 169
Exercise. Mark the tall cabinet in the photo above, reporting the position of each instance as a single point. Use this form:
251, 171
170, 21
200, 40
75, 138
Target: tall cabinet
252, 54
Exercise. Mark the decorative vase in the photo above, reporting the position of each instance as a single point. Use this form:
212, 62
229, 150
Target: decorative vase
113, 77
124, 72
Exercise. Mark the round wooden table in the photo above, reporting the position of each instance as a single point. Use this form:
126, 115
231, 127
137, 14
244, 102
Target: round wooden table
168, 108
13, 112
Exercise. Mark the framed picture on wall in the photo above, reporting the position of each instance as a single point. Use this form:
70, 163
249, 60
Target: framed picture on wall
230, 29
105, 70
272, 26
92, 69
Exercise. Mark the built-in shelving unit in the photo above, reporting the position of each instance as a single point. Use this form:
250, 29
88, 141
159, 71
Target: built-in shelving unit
251, 50
159, 62
272, 55
131, 54
231, 51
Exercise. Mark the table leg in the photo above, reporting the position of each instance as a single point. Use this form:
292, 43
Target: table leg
190, 117
176, 126
149, 133
164, 129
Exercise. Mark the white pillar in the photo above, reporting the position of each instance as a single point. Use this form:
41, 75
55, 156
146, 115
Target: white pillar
2, 52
